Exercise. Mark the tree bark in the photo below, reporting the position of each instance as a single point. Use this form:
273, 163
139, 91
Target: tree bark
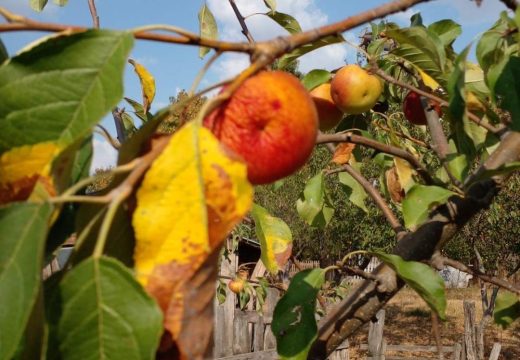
365, 300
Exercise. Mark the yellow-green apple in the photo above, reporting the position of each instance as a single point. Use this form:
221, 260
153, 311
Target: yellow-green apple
354, 90
271, 122
328, 113
236, 285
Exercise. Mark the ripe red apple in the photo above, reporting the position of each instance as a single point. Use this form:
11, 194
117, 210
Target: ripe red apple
414, 111
271, 122
236, 285
328, 113
354, 90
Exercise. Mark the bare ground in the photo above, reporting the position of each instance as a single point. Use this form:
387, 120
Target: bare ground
408, 322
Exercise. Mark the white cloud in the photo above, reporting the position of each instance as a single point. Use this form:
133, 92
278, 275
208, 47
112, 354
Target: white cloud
468, 13
328, 58
403, 17
230, 65
304, 11
104, 155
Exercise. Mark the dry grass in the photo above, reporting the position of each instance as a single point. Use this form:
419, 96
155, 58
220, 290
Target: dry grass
408, 322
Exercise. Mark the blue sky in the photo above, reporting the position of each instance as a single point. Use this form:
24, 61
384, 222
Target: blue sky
175, 67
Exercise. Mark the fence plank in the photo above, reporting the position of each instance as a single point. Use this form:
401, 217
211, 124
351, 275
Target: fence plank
375, 336
457, 349
414, 348
469, 330
260, 355
258, 331
495, 351
270, 302
224, 313
241, 335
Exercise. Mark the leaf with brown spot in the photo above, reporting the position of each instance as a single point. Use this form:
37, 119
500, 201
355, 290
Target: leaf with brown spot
394, 186
343, 153
189, 200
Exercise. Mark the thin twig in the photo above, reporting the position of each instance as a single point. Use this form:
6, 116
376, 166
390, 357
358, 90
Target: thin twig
359, 272
388, 149
440, 142
378, 199
101, 130
32, 25
275, 286
242, 22
403, 135
495, 130
203, 71
93, 13
485, 277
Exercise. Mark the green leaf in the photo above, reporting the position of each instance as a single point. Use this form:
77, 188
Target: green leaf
208, 28
355, 192
138, 110
60, 88
286, 21
221, 292
243, 299
423, 48
275, 239
420, 200
447, 30
23, 229
315, 78
507, 86
288, 58
82, 161
3, 52
294, 324
105, 314
492, 44
38, 5
271, 4
416, 20
128, 124
420, 277
456, 85
314, 206
507, 308
61, 2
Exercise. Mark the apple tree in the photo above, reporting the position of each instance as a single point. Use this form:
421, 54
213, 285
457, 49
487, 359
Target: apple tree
140, 282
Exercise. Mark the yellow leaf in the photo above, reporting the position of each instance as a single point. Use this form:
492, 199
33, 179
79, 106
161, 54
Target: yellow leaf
24, 167
343, 153
275, 239
404, 173
428, 80
147, 84
190, 198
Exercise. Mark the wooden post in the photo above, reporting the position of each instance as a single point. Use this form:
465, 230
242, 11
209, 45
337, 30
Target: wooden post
270, 302
241, 338
495, 352
457, 349
258, 338
224, 313
469, 330
376, 344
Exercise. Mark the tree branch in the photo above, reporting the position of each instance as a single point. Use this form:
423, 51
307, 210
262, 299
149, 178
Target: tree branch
93, 13
443, 223
388, 149
495, 130
481, 275
378, 199
242, 22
